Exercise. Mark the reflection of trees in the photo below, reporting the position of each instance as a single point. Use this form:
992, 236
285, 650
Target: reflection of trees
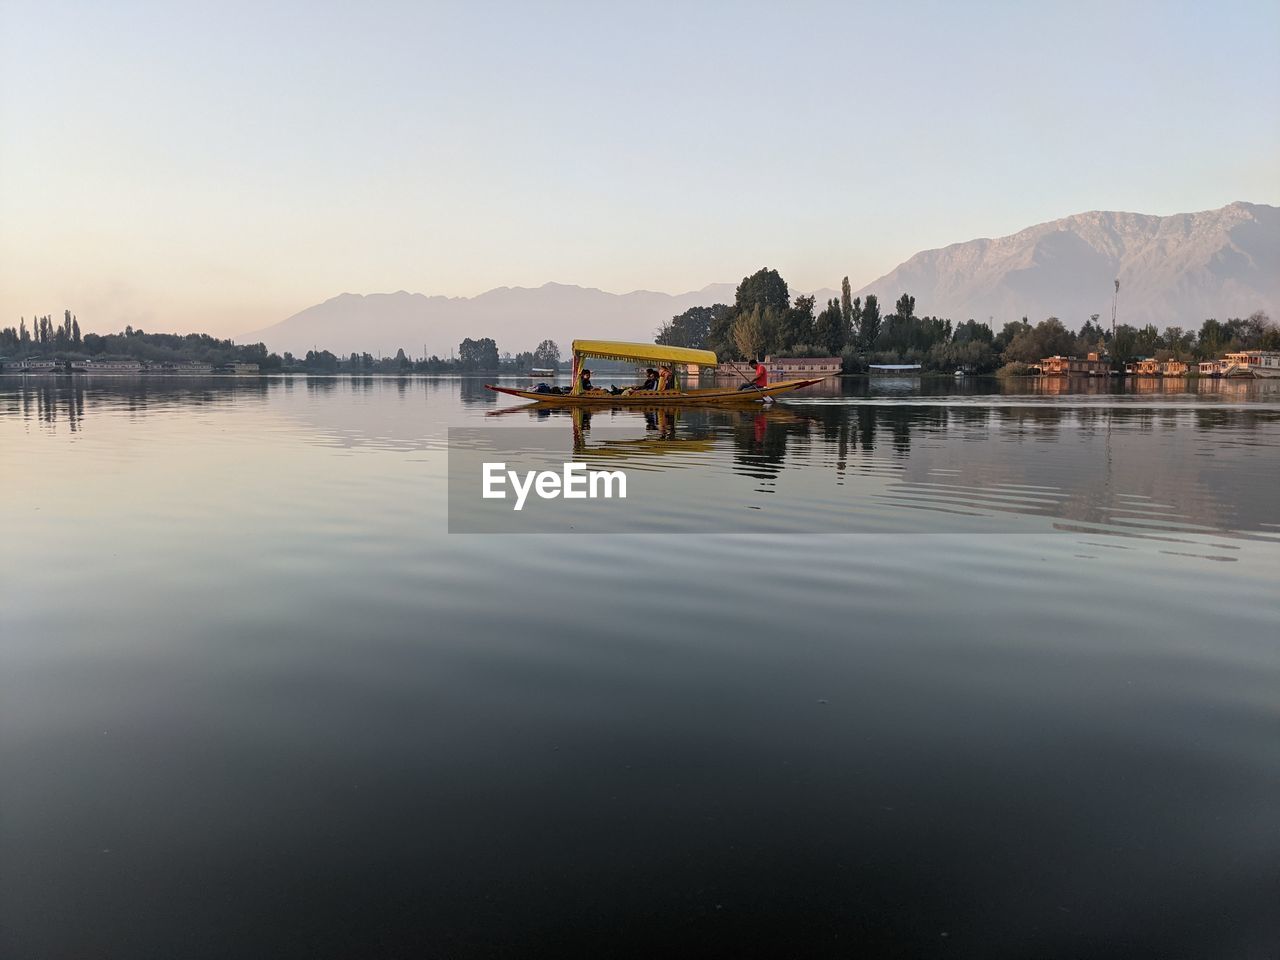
50, 402
54, 400
1040, 423
473, 391
1217, 419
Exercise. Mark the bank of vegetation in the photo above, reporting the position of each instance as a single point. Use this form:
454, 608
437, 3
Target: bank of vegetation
765, 319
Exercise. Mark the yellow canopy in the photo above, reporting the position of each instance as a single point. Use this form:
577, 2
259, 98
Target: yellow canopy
643, 352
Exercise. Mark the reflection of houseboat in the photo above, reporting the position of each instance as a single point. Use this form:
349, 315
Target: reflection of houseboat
1091, 366
894, 369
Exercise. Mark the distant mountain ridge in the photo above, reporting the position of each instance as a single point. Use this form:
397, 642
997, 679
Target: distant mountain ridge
1174, 270
518, 318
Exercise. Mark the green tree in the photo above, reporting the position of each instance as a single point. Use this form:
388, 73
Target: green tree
479, 354
1047, 338
869, 328
829, 328
1250, 331
905, 308
846, 306
750, 333
720, 333
1212, 339
1179, 342
547, 354
1008, 333
970, 330
693, 328
1124, 346
764, 288
321, 361
1147, 341
796, 327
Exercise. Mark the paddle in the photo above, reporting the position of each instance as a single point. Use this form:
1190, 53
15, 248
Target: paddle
751, 383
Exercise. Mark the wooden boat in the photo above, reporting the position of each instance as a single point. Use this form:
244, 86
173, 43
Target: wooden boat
675, 357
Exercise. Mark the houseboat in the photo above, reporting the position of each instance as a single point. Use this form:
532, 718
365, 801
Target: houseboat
1093, 365
1145, 367
36, 365
189, 369
1264, 364
107, 366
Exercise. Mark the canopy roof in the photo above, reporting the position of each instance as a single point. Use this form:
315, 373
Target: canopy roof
643, 352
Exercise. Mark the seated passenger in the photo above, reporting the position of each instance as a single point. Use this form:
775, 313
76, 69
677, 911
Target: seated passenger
667, 379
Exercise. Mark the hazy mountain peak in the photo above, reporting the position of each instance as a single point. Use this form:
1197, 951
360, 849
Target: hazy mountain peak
1173, 270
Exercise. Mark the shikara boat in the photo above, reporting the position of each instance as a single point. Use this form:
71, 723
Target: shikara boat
676, 357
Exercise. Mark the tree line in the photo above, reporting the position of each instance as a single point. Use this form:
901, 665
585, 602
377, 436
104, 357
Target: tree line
474, 356
765, 319
64, 341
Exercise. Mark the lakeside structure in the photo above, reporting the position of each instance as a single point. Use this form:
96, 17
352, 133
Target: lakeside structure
1257, 363
785, 368
1094, 365
125, 367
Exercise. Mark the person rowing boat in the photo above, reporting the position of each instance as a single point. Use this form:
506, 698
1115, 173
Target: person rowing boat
761, 379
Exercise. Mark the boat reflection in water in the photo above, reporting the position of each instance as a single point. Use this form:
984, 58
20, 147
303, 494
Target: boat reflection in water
1127, 468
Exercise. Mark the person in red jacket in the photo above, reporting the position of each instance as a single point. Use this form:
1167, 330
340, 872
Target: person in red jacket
761, 380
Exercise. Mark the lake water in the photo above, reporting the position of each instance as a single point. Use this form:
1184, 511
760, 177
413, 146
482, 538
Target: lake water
940, 670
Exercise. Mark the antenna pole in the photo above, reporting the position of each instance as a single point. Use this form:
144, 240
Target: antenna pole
1114, 300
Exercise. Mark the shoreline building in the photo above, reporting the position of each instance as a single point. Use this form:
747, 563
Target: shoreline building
785, 368
1094, 365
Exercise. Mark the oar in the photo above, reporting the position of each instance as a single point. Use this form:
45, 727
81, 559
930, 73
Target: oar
747, 381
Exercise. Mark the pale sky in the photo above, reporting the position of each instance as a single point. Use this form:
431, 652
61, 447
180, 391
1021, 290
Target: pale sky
220, 166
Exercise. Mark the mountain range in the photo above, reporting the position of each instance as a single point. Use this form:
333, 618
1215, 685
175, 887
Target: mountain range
1173, 270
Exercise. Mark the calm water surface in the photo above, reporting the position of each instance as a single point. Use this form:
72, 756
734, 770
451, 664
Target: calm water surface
1023, 701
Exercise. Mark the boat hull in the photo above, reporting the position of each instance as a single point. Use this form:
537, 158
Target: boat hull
652, 398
